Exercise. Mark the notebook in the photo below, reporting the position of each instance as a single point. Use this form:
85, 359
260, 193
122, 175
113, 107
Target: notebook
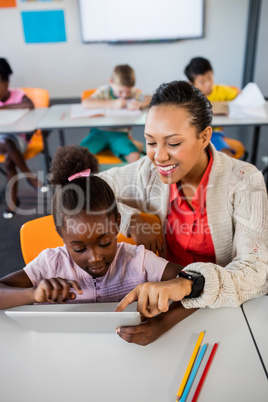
77, 111
94, 317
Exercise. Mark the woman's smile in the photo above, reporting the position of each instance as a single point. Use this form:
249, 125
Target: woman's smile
166, 170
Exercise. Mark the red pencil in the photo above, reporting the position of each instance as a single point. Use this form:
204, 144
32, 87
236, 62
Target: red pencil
202, 379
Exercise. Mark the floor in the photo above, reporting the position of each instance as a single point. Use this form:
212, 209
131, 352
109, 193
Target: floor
36, 205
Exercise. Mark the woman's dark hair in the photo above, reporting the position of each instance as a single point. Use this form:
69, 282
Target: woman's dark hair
91, 194
184, 95
5, 70
197, 66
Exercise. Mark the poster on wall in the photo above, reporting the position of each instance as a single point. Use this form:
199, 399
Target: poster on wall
43, 26
7, 3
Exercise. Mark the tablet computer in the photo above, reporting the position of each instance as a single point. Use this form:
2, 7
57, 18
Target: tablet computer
84, 317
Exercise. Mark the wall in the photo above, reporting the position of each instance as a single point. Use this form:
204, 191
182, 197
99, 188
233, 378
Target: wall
65, 69
261, 64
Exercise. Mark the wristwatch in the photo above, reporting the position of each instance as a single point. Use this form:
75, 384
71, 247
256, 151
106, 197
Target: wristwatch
198, 283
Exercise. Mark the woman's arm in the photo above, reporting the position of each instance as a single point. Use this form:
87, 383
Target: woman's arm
144, 192
25, 103
246, 276
150, 329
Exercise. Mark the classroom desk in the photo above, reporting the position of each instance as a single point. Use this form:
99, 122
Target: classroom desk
27, 124
58, 117
256, 313
102, 367
257, 122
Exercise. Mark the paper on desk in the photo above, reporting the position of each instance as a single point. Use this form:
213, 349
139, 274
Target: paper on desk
79, 112
11, 116
250, 102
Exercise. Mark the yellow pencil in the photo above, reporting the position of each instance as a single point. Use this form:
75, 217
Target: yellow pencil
189, 367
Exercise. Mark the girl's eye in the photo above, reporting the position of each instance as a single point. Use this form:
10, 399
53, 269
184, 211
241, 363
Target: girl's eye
105, 245
80, 250
150, 143
175, 145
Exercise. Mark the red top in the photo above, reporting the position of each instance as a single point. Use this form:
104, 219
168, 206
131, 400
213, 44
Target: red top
188, 236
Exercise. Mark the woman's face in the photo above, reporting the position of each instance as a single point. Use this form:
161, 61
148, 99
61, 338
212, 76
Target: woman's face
173, 146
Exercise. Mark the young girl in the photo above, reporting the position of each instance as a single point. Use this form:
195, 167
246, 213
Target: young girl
91, 266
13, 146
213, 208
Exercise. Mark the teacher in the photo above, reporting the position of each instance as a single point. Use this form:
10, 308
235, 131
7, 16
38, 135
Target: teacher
213, 208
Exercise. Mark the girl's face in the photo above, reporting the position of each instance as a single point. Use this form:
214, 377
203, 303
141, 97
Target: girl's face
91, 241
172, 144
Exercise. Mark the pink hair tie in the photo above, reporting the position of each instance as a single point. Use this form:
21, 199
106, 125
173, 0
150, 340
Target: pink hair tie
85, 173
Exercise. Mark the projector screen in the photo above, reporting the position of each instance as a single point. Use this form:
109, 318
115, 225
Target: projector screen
116, 21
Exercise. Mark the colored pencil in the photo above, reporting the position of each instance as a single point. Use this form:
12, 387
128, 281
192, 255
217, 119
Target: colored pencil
190, 364
193, 373
202, 379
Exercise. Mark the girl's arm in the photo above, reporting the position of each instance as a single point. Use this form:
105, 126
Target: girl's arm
17, 289
25, 103
152, 328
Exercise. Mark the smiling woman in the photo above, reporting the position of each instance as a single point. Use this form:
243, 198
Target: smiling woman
213, 208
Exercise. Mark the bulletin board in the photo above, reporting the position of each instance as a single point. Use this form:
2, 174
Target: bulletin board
121, 21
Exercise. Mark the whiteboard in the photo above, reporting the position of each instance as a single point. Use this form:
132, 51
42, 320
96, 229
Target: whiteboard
141, 20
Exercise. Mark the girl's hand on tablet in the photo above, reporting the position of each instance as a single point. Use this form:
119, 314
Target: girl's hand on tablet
56, 290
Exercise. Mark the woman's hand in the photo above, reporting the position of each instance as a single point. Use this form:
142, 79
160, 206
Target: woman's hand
153, 297
150, 235
151, 328
56, 290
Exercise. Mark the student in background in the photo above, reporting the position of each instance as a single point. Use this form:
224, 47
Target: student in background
91, 266
200, 73
13, 146
213, 208
118, 94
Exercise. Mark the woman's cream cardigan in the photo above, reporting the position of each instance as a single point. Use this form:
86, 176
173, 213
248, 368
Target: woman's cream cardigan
237, 212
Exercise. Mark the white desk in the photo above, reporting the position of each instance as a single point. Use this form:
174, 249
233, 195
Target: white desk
257, 122
256, 312
58, 117
27, 124
37, 367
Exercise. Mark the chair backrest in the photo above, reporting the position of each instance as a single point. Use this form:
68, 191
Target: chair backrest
87, 93
38, 234
39, 96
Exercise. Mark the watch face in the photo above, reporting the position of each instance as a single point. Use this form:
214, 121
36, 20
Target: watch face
198, 285
199, 282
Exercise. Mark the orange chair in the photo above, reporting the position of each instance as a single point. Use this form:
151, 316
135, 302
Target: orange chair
40, 98
106, 156
38, 234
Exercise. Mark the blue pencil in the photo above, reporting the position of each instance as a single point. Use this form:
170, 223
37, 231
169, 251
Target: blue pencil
193, 374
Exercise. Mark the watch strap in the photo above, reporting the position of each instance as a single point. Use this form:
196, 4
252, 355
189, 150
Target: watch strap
198, 283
